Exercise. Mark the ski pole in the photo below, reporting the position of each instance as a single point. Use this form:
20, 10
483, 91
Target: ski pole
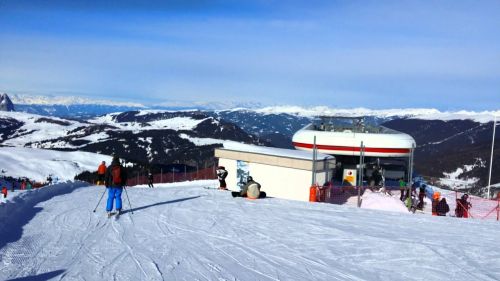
99, 200
126, 193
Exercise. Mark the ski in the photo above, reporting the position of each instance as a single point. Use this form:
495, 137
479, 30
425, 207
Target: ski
215, 188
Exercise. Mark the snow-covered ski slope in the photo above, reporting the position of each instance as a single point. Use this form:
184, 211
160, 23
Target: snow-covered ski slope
183, 231
37, 164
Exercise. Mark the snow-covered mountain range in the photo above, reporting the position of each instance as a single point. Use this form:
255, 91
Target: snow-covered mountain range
146, 137
449, 143
76, 107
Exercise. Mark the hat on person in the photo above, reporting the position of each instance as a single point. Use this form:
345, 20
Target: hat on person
249, 178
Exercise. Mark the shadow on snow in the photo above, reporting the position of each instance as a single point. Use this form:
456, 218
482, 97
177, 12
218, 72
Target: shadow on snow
40, 277
17, 213
160, 203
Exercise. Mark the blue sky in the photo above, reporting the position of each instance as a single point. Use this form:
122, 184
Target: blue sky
375, 54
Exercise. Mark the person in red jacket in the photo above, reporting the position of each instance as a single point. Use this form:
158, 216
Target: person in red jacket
4, 192
101, 173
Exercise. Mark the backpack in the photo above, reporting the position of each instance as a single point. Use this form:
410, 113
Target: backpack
116, 175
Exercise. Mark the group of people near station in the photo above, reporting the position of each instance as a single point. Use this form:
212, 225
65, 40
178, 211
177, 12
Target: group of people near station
249, 189
440, 207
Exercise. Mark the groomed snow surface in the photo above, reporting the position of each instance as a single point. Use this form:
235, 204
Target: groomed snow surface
183, 231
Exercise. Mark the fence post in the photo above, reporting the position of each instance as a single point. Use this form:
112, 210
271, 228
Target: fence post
498, 207
360, 170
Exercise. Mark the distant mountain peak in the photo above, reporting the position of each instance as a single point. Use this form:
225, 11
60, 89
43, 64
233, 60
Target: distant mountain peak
5, 103
68, 100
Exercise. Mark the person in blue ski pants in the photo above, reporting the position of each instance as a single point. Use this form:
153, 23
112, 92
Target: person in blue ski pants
114, 193
115, 180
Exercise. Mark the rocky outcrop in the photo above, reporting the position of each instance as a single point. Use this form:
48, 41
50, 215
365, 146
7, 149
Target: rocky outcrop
5, 103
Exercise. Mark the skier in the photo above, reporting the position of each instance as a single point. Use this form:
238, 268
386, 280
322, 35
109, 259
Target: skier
421, 196
402, 187
221, 175
116, 178
150, 179
463, 206
435, 201
49, 180
442, 207
101, 173
4, 192
377, 176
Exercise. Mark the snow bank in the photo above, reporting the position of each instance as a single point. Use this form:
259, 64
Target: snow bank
379, 201
175, 123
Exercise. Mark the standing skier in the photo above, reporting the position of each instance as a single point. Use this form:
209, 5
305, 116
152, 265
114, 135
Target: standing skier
435, 200
4, 192
402, 188
221, 175
421, 196
463, 205
150, 179
101, 173
116, 178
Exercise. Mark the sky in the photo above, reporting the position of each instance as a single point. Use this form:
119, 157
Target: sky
375, 54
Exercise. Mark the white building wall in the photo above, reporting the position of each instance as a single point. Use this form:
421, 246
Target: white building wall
279, 182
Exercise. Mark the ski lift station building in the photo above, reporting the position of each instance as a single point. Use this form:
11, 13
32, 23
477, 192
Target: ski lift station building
282, 173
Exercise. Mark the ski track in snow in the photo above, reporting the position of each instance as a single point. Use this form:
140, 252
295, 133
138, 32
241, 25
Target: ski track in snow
192, 233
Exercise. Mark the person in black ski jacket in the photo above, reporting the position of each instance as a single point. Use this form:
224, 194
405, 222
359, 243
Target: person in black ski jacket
221, 175
150, 179
442, 207
115, 180
421, 196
